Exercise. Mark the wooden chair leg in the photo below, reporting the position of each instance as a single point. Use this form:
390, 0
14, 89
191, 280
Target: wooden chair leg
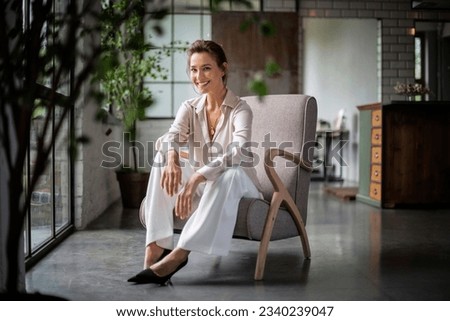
277, 199
267, 233
295, 213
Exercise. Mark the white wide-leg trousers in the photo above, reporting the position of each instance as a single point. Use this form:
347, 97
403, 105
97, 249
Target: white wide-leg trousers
210, 227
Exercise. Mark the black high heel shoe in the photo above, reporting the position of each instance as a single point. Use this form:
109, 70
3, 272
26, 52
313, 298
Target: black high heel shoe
148, 276
163, 255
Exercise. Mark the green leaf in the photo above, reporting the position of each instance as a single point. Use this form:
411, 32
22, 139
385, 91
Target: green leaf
267, 28
102, 115
272, 68
258, 86
246, 24
83, 139
158, 30
159, 14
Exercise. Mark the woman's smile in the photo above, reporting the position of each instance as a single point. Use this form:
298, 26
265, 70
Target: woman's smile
202, 84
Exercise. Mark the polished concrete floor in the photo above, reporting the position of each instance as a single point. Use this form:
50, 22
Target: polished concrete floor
359, 252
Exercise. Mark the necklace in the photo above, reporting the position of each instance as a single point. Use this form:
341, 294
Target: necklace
212, 127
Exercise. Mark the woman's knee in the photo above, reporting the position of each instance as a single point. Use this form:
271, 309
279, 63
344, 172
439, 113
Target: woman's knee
231, 174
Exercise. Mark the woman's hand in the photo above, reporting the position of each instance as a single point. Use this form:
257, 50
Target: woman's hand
171, 176
183, 204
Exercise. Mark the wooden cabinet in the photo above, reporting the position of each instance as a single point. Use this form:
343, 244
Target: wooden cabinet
404, 154
370, 153
376, 152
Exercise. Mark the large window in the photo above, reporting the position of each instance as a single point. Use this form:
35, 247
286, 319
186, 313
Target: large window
50, 217
188, 21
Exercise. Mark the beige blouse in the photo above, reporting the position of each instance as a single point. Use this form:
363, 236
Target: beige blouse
230, 145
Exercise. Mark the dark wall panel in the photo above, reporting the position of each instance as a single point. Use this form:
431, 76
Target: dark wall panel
249, 50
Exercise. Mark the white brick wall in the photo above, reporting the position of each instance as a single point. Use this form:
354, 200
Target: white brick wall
397, 19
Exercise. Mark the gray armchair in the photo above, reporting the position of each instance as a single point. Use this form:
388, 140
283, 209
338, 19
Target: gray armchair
287, 123
284, 127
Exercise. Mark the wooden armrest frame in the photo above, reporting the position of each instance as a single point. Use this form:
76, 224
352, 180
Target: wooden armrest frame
280, 196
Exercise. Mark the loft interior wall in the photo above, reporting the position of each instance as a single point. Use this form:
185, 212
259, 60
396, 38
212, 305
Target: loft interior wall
340, 68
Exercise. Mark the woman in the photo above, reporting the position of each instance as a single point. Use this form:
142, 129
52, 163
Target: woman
216, 126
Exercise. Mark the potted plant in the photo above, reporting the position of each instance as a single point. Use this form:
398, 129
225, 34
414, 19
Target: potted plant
126, 60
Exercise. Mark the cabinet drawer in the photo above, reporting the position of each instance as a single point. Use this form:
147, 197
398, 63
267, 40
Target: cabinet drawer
375, 173
375, 191
376, 155
376, 118
376, 136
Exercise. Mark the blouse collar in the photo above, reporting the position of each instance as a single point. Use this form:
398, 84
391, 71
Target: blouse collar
231, 100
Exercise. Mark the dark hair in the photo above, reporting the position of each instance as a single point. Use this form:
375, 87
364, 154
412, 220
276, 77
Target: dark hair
214, 49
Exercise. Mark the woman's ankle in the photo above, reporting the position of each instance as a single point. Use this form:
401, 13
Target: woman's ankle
152, 254
170, 262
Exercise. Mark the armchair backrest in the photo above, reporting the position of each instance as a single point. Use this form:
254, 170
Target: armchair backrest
286, 122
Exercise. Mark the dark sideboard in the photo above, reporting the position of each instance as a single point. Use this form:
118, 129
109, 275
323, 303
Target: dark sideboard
404, 154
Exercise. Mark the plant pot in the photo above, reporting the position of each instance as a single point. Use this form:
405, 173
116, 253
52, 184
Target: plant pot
133, 187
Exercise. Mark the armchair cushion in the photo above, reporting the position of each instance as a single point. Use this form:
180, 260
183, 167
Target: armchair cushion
252, 217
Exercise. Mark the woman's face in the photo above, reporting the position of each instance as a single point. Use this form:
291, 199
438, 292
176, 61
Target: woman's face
205, 74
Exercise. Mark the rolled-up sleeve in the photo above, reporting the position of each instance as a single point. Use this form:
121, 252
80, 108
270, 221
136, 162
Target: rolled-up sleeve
178, 133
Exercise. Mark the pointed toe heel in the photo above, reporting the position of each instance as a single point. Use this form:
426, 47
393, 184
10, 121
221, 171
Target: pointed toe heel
141, 276
148, 276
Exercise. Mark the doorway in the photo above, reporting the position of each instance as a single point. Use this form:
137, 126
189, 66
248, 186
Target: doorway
435, 53
341, 68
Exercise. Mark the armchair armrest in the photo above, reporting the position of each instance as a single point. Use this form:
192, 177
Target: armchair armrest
270, 169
